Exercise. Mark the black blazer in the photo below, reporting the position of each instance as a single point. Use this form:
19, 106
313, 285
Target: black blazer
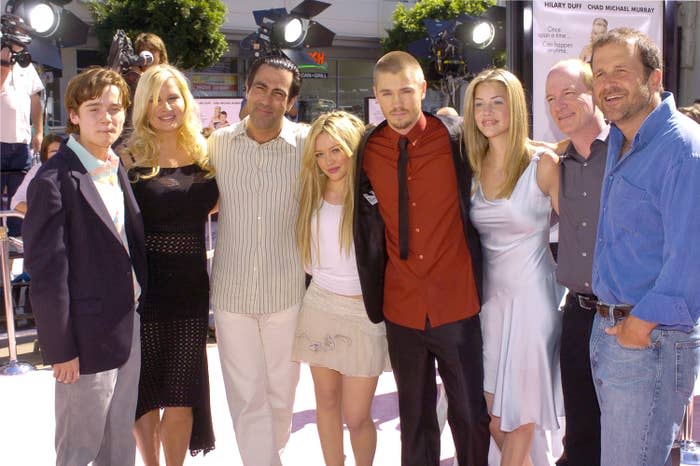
368, 225
81, 288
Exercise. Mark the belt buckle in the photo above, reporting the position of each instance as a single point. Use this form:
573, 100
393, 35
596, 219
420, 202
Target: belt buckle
583, 302
604, 309
615, 311
620, 311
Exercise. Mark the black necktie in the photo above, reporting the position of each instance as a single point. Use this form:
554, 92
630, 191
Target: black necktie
403, 198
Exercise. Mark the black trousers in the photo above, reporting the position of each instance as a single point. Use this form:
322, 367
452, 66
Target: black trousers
457, 347
16, 159
582, 442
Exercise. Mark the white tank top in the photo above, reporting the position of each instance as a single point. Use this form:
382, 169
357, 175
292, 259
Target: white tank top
332, 269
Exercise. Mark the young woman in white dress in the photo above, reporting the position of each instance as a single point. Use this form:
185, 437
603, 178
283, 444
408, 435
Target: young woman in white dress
514, 194
345, 350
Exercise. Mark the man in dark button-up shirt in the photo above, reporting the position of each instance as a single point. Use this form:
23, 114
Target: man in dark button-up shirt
569, 91
645, 343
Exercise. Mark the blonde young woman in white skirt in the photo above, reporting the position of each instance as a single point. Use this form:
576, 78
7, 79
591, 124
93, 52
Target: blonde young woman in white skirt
346, 352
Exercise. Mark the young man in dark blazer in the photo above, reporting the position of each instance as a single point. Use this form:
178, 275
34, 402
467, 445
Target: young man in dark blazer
84, 249
419, 261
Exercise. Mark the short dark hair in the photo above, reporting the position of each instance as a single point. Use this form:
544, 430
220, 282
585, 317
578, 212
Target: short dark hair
647, 50
281, 63
89, 85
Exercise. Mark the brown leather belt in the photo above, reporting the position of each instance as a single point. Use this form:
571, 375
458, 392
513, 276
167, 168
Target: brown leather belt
618, 311
586, 301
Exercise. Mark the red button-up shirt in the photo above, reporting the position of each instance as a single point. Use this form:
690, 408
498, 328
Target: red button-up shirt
436, 281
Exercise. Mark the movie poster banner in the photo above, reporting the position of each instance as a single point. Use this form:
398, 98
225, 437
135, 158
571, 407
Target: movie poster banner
218, 112
564, 30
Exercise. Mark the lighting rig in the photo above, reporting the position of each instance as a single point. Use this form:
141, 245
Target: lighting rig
46, 24
461, 47
464, 44
281, 32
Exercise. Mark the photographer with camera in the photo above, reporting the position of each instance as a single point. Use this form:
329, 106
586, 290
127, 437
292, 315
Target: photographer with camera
150, 50
149, 42
20, 104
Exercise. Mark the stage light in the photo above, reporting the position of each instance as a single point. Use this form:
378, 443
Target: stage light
475, 32
52, 26
483, 34
44, 18
465, 44
279, 30
294, 33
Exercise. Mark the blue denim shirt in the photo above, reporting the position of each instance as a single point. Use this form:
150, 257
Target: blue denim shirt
648, 244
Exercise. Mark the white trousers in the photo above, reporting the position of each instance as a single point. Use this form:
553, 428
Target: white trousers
260, 380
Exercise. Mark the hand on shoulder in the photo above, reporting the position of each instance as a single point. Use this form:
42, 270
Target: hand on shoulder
548, 176
558, 147
549, 159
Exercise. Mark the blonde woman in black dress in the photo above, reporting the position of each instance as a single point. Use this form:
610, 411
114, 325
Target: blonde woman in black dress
174, 186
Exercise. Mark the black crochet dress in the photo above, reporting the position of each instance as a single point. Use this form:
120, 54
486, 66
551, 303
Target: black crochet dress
174, 318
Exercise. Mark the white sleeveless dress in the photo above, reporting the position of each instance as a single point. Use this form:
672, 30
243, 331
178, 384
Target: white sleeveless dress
520, 318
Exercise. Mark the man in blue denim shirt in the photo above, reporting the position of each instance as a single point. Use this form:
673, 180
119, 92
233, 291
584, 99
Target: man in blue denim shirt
645, 344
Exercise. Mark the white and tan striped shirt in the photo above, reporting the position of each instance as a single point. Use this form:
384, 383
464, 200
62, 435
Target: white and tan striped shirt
257, 269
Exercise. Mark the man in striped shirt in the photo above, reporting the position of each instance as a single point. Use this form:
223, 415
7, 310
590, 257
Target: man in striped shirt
257, 277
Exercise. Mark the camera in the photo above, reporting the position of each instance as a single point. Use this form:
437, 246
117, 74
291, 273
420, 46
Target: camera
15, 34
123, 59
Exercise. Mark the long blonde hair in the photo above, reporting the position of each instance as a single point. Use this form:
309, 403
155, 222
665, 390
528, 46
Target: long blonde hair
518, 156
143, 143
346, 130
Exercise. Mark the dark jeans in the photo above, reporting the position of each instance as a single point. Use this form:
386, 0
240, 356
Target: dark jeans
16, 160
457, 347
582, 441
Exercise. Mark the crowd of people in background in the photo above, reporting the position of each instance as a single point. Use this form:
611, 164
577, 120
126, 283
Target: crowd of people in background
418, 243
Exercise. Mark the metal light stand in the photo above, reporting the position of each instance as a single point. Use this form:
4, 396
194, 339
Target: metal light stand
689, 449
13, 367
210, 243
210, 259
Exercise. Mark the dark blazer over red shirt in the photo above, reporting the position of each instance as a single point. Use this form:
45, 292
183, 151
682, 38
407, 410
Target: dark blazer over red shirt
82, 289
368, 225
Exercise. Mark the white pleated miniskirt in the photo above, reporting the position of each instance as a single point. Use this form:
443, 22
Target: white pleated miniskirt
334, 331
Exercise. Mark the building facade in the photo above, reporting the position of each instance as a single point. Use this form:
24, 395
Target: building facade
358, 25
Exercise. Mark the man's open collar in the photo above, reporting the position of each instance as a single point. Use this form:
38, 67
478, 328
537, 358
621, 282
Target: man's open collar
287, 133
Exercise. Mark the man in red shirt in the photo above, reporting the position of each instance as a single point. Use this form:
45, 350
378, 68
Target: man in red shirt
419, 261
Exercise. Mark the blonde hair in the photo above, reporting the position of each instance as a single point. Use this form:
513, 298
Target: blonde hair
691, 111
143, 143
346, 130
518, 156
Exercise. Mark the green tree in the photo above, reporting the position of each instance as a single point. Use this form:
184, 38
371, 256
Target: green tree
408, 27
191, 29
